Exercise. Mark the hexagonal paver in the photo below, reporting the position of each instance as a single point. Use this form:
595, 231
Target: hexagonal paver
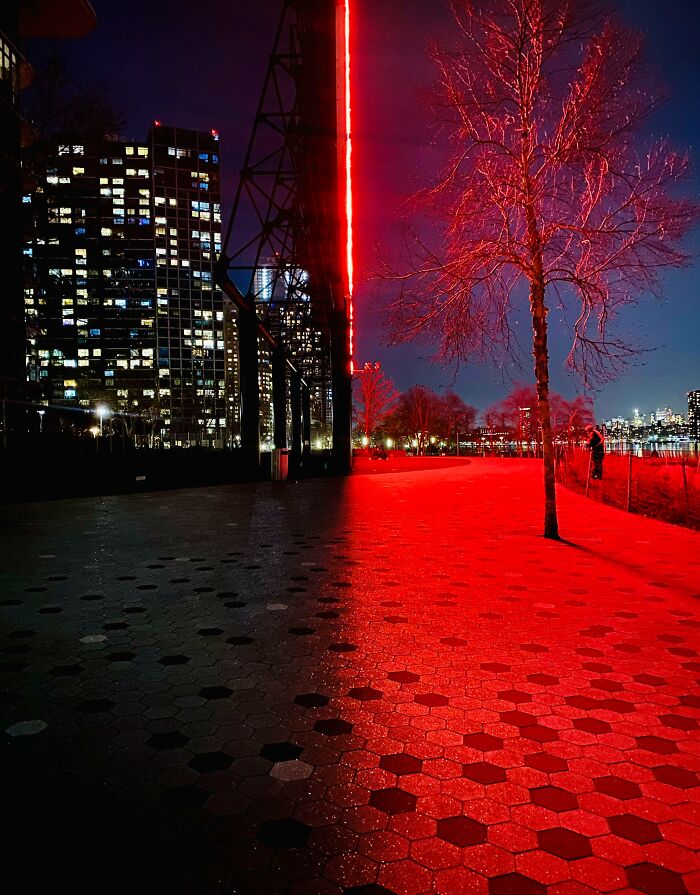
311, 700
564, 843
275, 752
401, 763
617, 787
215, 692
543, 761
674, 776
461, 830
210, 762
393, 800
554, 799
66, 670
651, 879
284, 833
543, 680
172, 739
484, 742
484, 772
183, 798
96, 706
403, 677
174, 660
333, 727
432, 700
365, 694
636, 829
515, 884
659, 745
516, 696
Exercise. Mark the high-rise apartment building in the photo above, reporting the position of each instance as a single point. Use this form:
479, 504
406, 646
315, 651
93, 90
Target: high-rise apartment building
120, 300
694, 414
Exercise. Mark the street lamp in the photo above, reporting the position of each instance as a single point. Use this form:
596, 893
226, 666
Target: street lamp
103, 413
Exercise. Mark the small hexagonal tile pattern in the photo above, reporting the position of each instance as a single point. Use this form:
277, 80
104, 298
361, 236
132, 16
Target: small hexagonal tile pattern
96, 706
544, 761
483, 772
564, 843
401, 764
284, 833
651, 879
171, 739
364, 694
681, 778
617, 787
284, 688
636, 829
403, 677
215, 692
461, 831
515, 884
281, 751
393, 800
484, 742
333, 727
554, 798
209, 762
183, 798
311, 700
432, 700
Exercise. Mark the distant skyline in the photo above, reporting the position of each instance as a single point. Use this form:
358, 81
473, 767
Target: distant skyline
202, 67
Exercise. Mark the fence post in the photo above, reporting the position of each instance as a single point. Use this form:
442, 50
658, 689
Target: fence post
588, 477
629, 483
685, 491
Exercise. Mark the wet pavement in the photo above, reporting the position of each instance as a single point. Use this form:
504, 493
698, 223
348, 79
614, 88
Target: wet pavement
384, 684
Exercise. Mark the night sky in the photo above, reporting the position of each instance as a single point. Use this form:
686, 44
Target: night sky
201, 65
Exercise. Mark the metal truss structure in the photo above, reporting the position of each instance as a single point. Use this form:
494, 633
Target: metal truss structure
286, 277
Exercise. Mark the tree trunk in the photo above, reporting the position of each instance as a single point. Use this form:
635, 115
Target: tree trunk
541, 356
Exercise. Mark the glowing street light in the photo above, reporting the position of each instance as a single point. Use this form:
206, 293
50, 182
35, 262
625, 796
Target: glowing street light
365, 441
390, 443
103, 413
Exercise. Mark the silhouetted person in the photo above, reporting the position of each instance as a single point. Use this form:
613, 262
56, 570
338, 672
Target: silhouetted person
596, 445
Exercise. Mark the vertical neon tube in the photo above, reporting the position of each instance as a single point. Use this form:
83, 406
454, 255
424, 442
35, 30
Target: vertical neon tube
348, 178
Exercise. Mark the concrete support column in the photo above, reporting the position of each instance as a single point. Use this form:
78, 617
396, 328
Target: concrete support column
250, 396
297, 435
342, 392
306, 423
279, 396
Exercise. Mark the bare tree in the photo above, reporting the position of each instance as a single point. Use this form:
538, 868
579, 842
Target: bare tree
60, 103
416, 415
375, 398
455, 415
549, 183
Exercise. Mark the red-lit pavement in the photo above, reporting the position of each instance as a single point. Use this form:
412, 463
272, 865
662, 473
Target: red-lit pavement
387, 684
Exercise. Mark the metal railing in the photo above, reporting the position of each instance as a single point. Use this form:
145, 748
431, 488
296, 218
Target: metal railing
662, 485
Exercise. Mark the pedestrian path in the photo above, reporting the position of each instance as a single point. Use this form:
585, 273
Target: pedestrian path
383, 684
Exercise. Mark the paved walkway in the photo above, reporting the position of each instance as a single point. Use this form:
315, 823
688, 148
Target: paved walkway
386, 684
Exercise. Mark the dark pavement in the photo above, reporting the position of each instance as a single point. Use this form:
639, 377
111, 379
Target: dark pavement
385, 684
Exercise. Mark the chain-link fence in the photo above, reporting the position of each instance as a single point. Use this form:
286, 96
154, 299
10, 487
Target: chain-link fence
663, 486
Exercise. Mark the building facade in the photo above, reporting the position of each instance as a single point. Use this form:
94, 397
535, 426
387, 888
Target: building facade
121, 306
694, 414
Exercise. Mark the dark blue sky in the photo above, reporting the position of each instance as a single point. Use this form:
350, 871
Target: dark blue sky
201, 65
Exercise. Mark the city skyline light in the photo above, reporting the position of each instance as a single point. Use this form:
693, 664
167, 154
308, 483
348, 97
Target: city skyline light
394, 151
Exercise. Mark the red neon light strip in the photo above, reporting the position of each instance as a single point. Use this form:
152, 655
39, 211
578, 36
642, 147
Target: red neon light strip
348, 178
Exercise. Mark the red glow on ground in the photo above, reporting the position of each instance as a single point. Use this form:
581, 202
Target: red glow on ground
348, 176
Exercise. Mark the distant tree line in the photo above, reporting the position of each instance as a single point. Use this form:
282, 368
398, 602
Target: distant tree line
429, 422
